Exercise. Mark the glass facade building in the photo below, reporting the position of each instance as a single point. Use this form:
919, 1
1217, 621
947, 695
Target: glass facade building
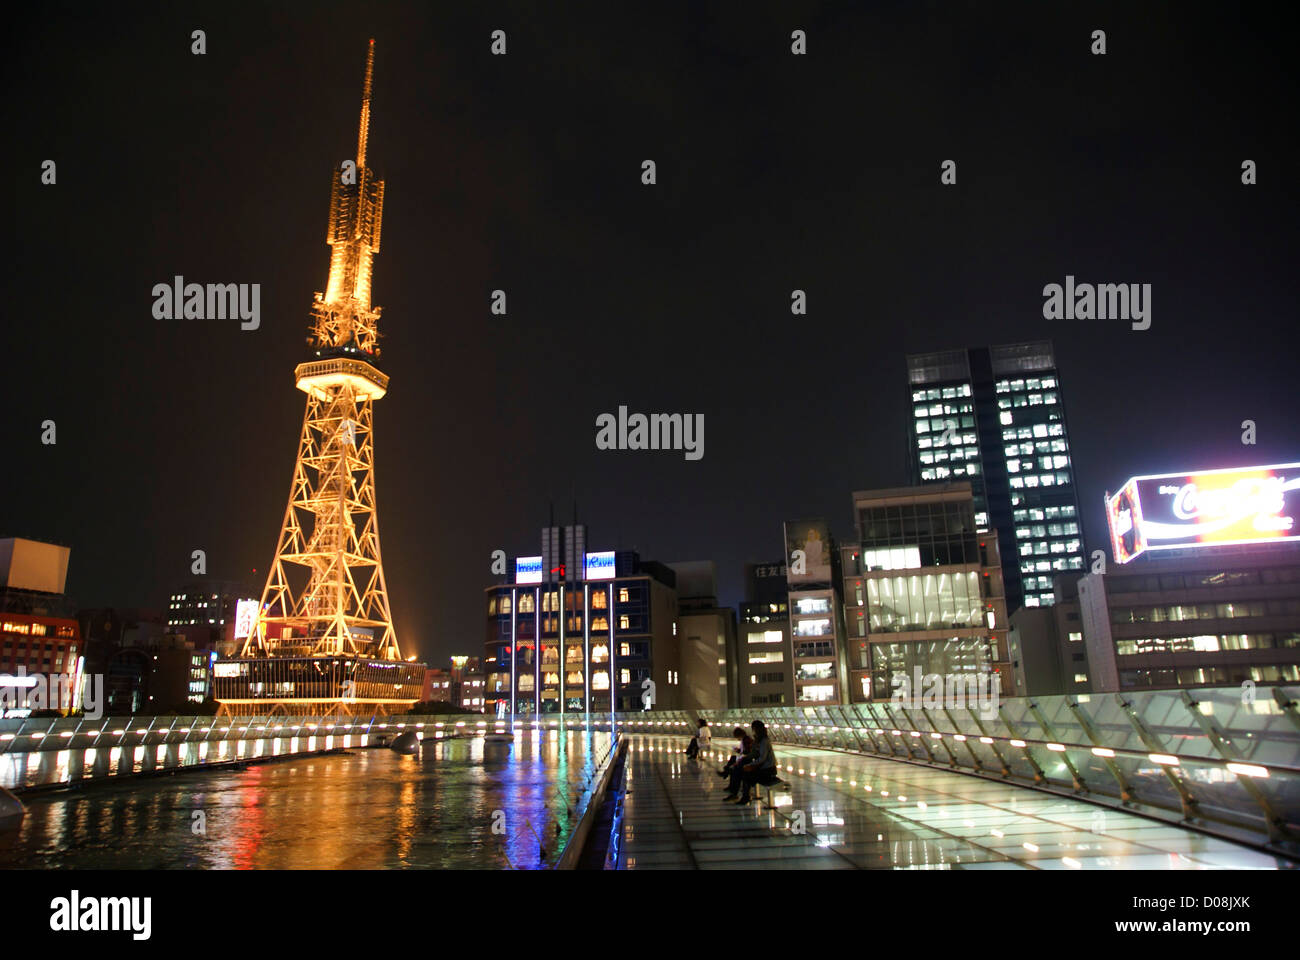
922, 592
994, 418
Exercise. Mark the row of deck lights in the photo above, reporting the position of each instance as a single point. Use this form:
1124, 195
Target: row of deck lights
1164, 759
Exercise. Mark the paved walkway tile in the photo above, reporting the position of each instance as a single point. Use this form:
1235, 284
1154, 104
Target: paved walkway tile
844, 811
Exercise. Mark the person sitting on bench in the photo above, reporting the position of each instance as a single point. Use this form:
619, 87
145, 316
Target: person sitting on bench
761, 768
746, 741
702, 739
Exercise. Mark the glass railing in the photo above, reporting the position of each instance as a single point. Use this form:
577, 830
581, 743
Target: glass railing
1222, 760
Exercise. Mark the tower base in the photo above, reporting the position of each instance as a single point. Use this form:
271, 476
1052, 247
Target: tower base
316, 686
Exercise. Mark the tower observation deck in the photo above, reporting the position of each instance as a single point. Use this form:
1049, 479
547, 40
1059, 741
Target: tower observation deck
324, 638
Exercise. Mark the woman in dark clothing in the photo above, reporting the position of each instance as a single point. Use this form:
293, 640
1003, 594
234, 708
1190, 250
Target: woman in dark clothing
761, 765
746, 741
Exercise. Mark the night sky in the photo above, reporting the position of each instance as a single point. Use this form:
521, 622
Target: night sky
522, 172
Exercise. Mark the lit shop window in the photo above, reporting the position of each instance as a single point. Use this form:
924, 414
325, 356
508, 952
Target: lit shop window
599, 653
623, 622
625, 675
527, 604
624, 649
525, 683
598, 600
622, 594
599, 680
813, 628
600, 623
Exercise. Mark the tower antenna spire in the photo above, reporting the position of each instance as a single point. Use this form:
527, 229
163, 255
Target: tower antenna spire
364, 133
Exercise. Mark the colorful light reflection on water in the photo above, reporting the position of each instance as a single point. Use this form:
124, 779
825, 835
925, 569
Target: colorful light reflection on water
365, 809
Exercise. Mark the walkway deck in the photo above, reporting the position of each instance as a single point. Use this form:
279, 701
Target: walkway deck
867, 813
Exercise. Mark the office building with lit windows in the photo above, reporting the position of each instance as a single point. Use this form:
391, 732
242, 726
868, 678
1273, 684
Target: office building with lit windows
207, 613
820, 661
994, 417
764, 659
1219, 616
38, 636
923, 591
467, 680
574, 631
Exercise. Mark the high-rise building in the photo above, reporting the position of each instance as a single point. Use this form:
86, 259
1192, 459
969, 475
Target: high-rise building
922, 592
994, 417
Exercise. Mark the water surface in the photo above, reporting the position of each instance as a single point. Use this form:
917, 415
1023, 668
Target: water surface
462, 804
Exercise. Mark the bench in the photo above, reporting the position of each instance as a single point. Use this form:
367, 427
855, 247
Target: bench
766, 791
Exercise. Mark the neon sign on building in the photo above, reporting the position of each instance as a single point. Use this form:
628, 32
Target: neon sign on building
1173, 511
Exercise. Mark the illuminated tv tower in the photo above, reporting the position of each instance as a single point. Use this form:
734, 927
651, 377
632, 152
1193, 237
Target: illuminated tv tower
324, 632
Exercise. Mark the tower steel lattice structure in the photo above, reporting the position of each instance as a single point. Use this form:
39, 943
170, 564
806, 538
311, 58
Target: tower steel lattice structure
325, 604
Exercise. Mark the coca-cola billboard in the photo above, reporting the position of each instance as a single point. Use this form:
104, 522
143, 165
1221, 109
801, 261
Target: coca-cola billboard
1175, 511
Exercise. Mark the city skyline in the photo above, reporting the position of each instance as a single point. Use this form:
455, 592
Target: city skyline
517, 173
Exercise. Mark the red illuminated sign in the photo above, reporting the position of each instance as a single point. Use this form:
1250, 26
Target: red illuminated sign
1175, 511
